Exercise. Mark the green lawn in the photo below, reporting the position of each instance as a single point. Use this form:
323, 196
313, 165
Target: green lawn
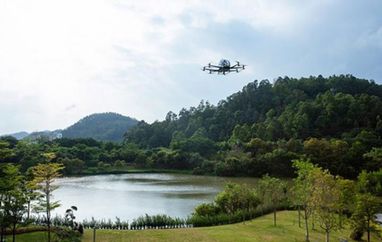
258, 230
30, 237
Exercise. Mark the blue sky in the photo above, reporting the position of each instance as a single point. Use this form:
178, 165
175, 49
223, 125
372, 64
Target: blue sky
62, 60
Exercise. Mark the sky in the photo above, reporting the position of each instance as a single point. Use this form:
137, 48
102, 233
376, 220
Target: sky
63, 60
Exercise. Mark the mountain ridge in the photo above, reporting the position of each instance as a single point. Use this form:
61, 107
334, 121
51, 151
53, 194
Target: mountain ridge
107, 126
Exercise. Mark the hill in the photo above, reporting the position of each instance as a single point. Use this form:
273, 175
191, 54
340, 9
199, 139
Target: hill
45, 135
100, 126
18, 135
334, 121
287, 108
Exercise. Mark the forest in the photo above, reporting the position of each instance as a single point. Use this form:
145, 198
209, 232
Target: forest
335, 122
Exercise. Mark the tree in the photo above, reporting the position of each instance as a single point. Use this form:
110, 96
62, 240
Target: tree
325, 199
11, 197
29, 190
43, 177
366, 206
273, 191
15, 207
303, 188
236, 197
364, 215
346, 198
375, 158
72, 166
6, 152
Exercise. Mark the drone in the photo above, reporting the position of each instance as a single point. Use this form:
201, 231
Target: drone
223, 67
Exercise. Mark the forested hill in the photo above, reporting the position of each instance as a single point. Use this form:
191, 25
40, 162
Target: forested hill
336, 122
100, 126
289, 108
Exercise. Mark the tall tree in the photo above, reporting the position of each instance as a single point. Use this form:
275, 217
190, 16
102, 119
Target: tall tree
10, 180
325, 200
366, 207
43, 177
273, 191
15, 207
364, 215
303, 188
346, 198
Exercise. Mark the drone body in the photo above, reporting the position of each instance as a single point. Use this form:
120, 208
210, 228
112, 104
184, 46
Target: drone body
223, 67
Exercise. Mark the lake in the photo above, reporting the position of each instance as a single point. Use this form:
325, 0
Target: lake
129, 196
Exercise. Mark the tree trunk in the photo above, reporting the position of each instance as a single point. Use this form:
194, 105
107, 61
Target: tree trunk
48, 210
29, 209
299, 216
327, 236
14, 232
306, 226
2, 234
368, 230
312, 221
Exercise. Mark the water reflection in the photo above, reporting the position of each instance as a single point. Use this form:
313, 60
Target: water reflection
128, 196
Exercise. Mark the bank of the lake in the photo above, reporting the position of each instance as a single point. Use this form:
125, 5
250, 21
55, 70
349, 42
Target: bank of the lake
130, 169
258, 230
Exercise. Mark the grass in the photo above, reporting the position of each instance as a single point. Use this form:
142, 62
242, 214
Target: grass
30, 237
257, 230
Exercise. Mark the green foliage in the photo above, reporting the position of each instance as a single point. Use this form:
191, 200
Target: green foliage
313, 106
6, 151
235, 203
12, 197
44, 175
344, 121
374, 158
364, 215
325, 200
66, 235
236, 197
273, 193
160, 221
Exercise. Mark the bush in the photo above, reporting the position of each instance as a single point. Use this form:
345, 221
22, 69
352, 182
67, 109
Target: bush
357, 234
206, 209
67, 235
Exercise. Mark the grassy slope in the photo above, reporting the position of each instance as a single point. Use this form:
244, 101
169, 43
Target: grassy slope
30, 237
258, 230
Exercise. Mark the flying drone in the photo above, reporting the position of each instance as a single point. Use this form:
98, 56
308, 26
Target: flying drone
223, 67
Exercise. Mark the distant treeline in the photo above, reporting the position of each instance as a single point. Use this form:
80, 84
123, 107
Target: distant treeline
336, 122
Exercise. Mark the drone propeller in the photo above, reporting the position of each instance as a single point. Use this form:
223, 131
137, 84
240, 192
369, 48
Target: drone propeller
238, 63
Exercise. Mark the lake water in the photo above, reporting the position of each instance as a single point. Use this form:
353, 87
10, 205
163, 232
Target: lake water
128, 196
